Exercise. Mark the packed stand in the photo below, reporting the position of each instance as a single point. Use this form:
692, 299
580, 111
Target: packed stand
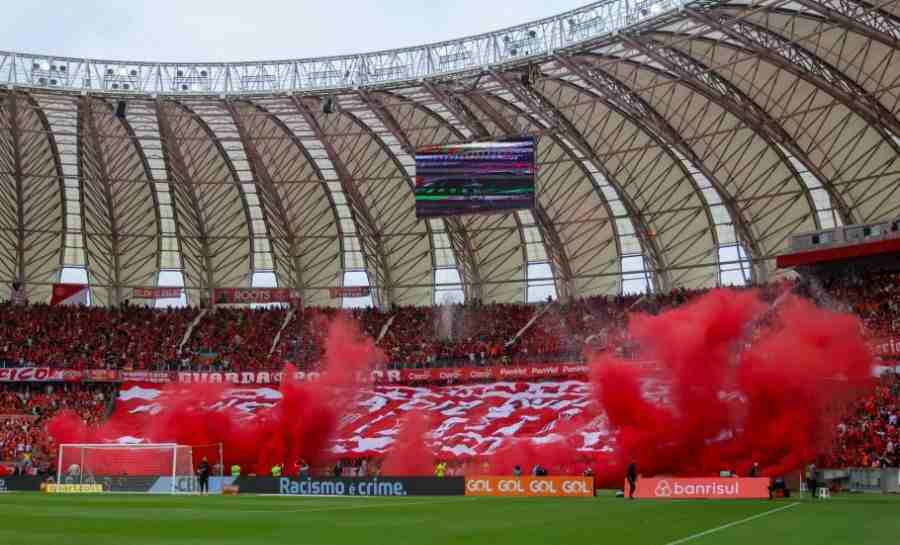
230, 339
453, 334
875, 297
241, 339
90, 337
25, 408
869, 434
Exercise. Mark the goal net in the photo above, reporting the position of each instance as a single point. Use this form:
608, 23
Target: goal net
152, 467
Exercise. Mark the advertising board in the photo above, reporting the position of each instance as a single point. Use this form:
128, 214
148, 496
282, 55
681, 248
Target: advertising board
701, 488
352, 486
557, 487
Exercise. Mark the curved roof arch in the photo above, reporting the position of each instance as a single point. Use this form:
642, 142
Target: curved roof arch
679, 142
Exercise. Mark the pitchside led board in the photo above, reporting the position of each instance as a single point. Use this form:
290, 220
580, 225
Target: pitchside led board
475, 178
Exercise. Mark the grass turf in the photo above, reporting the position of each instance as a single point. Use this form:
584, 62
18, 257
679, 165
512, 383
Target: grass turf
36, 519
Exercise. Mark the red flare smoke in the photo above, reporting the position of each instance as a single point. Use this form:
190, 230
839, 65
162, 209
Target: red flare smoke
742, 381
299, 426
731, 403
410, 454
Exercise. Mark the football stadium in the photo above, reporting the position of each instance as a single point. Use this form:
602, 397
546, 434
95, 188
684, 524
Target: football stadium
628, 272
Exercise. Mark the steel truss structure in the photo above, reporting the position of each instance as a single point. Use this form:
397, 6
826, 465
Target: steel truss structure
680, 145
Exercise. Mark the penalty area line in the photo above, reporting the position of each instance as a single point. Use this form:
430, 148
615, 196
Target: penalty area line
732, 524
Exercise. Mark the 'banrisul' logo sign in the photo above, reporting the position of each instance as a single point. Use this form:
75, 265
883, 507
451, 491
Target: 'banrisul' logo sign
663, 490
702, 488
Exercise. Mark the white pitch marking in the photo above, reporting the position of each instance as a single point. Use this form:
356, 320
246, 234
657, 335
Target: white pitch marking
731, 524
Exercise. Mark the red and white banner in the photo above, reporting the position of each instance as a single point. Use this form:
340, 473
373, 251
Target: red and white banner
246, 296
100, 375
885, 346
701, 488
470, 420
156, 293
458, 375
400, 376
38, 374
156, 377
69, 294
350, 291
471, 374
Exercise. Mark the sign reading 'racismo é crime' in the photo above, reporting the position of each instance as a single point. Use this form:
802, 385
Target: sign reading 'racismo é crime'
352, 486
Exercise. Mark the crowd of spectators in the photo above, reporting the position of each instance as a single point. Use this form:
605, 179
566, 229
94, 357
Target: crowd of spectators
869, 433
475, 334
874, 296
90, 337
25, 409
229, 339
233, 339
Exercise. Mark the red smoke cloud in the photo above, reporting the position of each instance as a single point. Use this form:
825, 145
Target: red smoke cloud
410, 454
742, 380
731, 402
299, 426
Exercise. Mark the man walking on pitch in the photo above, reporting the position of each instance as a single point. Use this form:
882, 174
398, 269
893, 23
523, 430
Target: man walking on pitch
811, 480
632, 478
203, 476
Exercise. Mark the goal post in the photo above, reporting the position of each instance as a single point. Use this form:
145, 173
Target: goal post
148, 467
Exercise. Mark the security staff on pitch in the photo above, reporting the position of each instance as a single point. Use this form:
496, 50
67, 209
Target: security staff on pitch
235, 470
203, 476
632, 478
276, 470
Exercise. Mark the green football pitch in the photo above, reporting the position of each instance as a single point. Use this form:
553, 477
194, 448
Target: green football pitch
35, 519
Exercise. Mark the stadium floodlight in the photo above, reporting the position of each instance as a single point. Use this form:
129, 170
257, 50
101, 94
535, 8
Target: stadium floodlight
135, 467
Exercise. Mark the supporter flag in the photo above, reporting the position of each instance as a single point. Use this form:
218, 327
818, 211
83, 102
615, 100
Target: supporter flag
69, 294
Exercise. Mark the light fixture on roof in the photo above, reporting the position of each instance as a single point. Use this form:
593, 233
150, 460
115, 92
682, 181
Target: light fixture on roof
45, 65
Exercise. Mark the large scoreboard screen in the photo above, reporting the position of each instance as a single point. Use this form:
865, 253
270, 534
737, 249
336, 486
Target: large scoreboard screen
475, 178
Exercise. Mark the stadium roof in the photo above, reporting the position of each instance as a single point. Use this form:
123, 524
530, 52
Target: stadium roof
680, 145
